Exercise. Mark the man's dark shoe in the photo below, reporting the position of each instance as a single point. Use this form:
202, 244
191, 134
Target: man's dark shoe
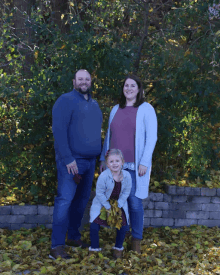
77, 243
58, 251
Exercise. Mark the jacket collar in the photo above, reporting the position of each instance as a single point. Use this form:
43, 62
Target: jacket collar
109, 173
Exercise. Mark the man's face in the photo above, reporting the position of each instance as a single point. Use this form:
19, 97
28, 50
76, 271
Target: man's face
82, 82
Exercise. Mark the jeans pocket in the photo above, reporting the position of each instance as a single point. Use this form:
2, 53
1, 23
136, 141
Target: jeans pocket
82, 165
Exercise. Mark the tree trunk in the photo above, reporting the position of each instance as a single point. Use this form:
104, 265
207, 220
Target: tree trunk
59, 8
24, 33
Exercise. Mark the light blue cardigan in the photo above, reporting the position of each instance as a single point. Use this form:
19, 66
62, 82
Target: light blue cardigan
145, 141
104, 187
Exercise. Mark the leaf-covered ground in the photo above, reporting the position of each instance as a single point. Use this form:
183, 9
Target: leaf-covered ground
188, 251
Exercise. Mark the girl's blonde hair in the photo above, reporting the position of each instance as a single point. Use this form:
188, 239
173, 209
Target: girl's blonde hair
114, 152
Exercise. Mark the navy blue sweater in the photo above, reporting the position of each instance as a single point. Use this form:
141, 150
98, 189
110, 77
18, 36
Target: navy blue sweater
76, 126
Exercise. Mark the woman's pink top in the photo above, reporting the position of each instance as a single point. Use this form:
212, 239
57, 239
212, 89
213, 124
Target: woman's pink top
115, 195
123, 128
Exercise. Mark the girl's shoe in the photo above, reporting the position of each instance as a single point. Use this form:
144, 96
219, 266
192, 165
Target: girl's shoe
117, 252
94, 250
135, 245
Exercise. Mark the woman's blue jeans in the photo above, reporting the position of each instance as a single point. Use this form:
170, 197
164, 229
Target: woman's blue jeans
71, 201
135, 209
94, 235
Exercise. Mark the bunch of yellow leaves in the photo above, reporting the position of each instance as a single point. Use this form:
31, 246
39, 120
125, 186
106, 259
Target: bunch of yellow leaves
115, 215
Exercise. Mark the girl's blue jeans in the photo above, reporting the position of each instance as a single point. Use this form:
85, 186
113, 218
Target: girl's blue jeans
71, 201
135, 209
94, 235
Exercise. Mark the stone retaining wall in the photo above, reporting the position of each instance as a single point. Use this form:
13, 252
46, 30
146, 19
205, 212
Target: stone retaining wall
180, 206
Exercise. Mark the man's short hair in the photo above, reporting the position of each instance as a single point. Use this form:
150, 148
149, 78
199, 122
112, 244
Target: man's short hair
78, 71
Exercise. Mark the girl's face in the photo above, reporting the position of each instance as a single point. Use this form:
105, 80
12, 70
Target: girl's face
114, 163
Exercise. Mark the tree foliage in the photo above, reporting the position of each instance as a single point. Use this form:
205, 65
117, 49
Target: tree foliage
172, 46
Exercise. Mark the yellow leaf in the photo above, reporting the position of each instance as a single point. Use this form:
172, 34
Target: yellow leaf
62, 16
63, 46
187, 53
36, 54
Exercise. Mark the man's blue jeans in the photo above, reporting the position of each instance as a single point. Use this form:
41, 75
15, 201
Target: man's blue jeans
71, 200
135, 209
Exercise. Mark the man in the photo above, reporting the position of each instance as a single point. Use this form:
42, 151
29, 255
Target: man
76, 125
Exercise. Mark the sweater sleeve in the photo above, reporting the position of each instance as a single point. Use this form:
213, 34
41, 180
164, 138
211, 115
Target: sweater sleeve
61, 115
150, 120
100, 191
104, 149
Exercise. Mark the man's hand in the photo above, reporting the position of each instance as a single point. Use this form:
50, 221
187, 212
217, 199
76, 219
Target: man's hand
102, 166
142, 170
72, 168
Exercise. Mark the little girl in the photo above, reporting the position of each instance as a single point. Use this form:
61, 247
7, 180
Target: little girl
113, 183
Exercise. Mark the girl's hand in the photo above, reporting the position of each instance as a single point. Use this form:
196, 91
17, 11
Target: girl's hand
102, 166
142, 170
108, 212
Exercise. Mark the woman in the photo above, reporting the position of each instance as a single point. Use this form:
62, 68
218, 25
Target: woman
132, 128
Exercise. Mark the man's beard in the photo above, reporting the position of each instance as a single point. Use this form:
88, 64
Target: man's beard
88, 90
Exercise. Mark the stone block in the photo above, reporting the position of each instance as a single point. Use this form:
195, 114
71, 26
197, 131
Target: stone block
45, 210
180, 190
40, 219
177, 214
211, 207
167, 198
197, 215
209, 223
147, 204
161, 222
146, 222
215, 200
162, 205
17, 226
5, 210
218, 192
5, 225
24, 209
207, 192
214, 215
192, 191
189, 206
184, 222
152, 213
12, 218
195, 199
170, 189
179, 198
48, 225
156, 196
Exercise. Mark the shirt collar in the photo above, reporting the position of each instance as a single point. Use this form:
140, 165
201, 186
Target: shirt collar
82, 96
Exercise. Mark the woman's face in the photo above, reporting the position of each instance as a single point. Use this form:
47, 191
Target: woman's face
130, 89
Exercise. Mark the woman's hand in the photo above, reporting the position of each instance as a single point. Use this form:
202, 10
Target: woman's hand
102, 166
142, 170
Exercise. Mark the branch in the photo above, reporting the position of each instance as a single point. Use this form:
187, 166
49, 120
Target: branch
137, 2
137, 62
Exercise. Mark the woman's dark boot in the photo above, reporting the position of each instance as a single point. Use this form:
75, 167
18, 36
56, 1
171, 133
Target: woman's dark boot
136, 245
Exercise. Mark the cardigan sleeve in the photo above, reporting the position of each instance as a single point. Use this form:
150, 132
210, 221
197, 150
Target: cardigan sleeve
100, 191
150, 120
126, 192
